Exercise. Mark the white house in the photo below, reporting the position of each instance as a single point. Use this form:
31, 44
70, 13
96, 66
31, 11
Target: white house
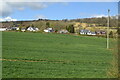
13, 28
84, 31
87, 32
32, 29
63, 31
37, 29
17, 28
23, 29
48, 30
91, 33
9, 28
3, 29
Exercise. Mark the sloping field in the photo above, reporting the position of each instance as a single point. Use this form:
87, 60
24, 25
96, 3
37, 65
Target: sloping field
40, 55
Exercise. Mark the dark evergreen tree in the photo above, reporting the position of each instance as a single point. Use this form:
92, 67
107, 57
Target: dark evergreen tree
47, 24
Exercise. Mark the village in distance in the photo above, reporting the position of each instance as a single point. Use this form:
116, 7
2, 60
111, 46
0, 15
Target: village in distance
86, 26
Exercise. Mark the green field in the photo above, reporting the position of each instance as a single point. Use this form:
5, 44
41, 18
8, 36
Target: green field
42, 55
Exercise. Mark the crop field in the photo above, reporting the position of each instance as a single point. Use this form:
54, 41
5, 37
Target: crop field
49, 55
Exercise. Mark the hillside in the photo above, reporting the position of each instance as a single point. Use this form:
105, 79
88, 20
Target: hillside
58, 24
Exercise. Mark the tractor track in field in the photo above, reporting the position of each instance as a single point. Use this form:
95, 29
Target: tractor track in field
55, 61
33, 60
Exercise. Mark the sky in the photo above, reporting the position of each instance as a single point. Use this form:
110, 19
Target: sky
15, 11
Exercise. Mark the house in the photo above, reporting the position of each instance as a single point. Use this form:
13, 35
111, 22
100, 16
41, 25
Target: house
63, 31
37, 29
17, 28
3, 29
91, 33
87, 32
100, 32
23, 29
9, 28
103, 32
32, 29
13, 28
84, 31
48, 30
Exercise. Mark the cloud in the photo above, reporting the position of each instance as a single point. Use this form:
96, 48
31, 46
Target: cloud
7, 8
40, 17
32, 5
21, 8
7, 19
99, 16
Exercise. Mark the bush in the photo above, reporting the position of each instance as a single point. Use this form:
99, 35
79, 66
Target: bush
111, 34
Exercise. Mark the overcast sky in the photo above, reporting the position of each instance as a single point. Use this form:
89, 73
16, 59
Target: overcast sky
55, 10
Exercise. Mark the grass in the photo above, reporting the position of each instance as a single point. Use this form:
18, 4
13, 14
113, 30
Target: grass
41, 55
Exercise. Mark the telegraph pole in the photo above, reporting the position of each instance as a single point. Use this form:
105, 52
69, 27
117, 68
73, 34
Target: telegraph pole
108, 25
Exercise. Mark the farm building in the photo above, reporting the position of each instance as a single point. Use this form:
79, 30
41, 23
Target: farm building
48, 30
